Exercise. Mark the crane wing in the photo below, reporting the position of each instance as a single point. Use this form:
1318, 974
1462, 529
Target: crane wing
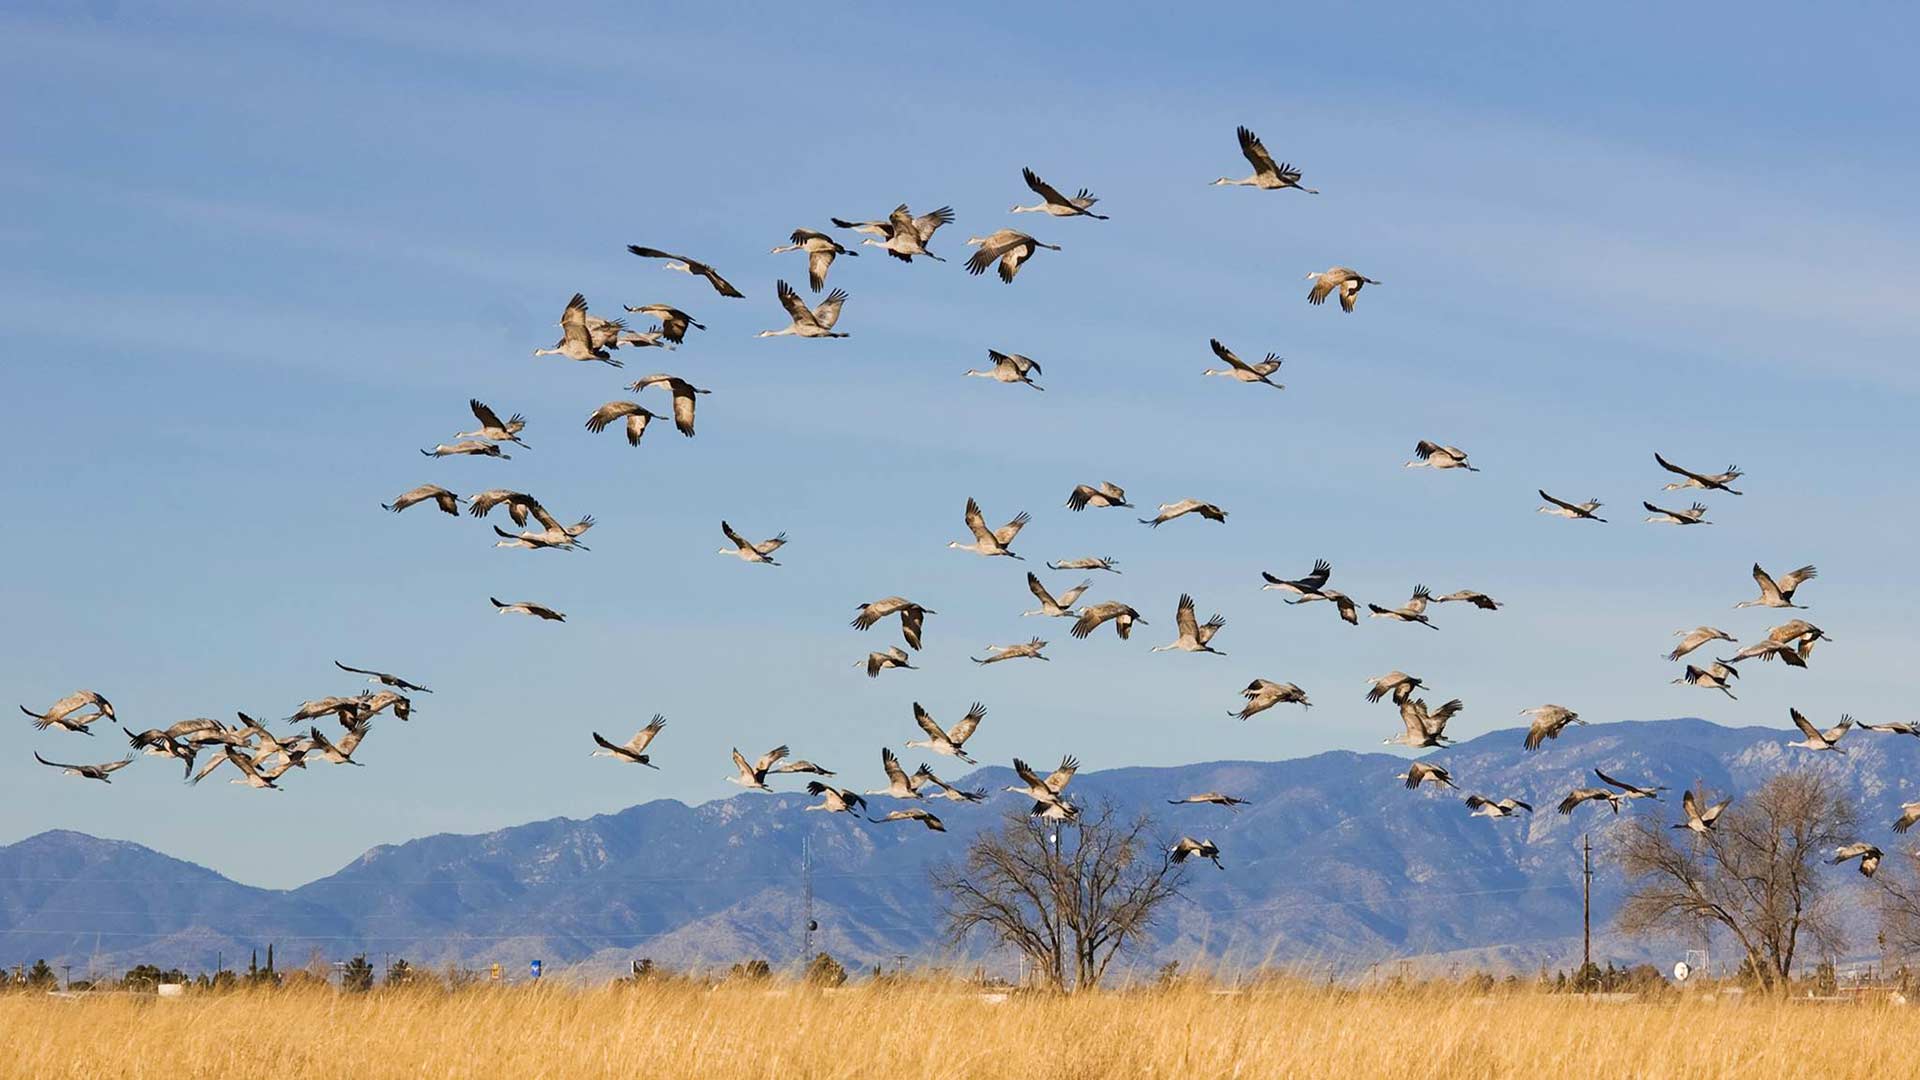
963, 730
796, 306
1184, 619
1045, 190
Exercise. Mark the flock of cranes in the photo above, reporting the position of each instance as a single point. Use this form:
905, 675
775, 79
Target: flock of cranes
261, 759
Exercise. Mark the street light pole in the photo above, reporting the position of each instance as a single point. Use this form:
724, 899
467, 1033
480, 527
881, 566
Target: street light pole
1586, 908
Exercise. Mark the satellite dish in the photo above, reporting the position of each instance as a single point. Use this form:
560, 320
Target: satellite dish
1681, 971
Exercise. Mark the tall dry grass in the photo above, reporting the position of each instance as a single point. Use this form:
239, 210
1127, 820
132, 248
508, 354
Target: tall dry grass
689, 1031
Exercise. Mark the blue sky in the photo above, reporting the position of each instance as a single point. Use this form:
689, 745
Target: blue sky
256, 258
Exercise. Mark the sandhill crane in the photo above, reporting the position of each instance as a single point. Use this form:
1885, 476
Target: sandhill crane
1212, 798
751, 551
912, 813
446, 500
1169, 511
673, 321
1047, 789
371, 707
1267, 173
1718, 676
1891, 727
518, 504
814, 322
1049, 606
804, 766
1100, 496
1574, 798
201, 731
1423, 772
251, 775
912, 617
1790, 654
384, 679
820, 249
159, 743
344, 708
1422, 727
1696, 637
690, 266
611, 334
1010, 247
1055, 204
902, 235
1699, 821
951, 743
683, 393
899, 784
990, 541
1188, 848
893, 657
340, 753
1630, 791
576, 341
1192, 635
1413, 611
1029, 650
1241, 370
634, 750
1091, 616
1347, 280
1909, 813
754, 777
1817, 739
950, 792
87, 772
1397, 683
835, 800
61, 714
1009, 368
1780, 594
1431, 455
1349, 611
1794, 631
492, 428
637, 417
565, 539
1469, 596
1548, 722
1693, 515
1305, 586
1087, 563
1489, 808
523, 607
467, 448
1868, 855
1703, 481
1575, 511
1264, 694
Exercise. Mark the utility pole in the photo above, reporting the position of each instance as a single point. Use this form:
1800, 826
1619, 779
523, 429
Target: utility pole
1586, 907
806, 893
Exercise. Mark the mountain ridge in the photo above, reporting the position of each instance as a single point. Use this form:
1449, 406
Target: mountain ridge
1334, 863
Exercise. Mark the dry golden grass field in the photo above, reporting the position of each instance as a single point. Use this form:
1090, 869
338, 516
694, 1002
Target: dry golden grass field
689, 1031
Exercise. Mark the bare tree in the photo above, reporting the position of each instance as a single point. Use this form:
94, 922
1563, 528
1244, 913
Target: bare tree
1755, 874
1899, 886
1069, 895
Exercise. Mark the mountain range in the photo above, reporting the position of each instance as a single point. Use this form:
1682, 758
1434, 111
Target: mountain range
1334, 865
